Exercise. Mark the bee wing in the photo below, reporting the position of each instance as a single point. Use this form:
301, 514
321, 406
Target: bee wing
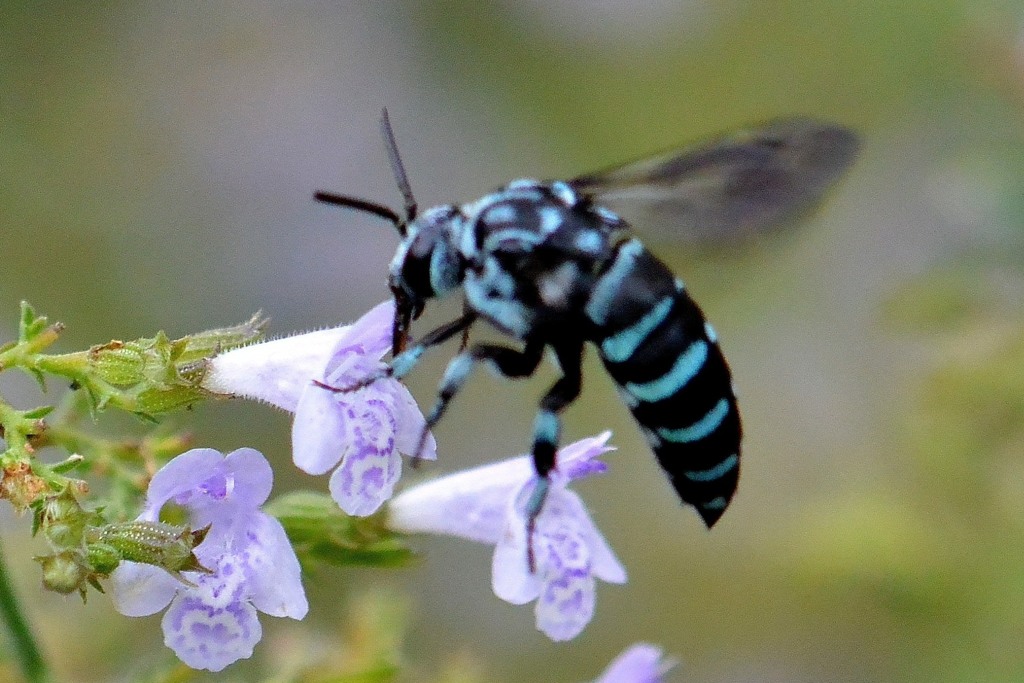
738, 185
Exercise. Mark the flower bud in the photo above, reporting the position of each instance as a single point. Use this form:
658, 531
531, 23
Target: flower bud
163, 545
62, 519
103, 558
151, 375
63, 572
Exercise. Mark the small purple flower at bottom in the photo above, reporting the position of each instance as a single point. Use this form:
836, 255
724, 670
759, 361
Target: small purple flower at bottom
212, 622
640, 663
364, 429
487, 504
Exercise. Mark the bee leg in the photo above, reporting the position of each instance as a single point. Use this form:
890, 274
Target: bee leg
404, 362
465, 333
508, 362
546, 430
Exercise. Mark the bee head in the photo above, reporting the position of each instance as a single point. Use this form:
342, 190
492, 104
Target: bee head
426, 264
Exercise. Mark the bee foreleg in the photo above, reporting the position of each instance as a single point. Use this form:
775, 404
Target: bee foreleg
404, 362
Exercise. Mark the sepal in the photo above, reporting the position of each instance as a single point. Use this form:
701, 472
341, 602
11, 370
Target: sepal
321, 533
167, 546
151, 375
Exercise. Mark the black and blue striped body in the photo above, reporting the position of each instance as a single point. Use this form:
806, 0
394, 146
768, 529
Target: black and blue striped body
543, 264
665, 358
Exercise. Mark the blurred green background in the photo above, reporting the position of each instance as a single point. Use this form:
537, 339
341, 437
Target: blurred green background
156, 168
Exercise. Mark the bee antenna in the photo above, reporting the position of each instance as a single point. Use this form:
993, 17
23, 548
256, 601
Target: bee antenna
397, 169
362, 205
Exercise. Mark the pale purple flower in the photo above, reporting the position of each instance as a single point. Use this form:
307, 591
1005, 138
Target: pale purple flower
365, 429
212, 621
487, 504
640, 663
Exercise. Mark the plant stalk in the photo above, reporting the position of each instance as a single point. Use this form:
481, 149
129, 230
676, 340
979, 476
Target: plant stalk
25, 648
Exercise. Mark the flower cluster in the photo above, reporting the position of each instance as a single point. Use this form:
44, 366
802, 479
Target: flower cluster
211, 621
351, 416
365, 429
488, 504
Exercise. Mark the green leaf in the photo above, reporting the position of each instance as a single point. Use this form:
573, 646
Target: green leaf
30, 324
37, 413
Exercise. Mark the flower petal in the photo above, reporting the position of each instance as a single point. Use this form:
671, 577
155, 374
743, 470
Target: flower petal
372, 332
640, 663
566, 602
472, 504
489, 504
228, 487
365, 479
511, 579
182, 475
579, 459
566, 606
252, 476
410, 424
604, 564
275, 371
139, 590
274, 572
209, 637
319, 431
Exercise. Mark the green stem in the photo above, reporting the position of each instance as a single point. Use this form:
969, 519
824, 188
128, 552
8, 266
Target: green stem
32, 663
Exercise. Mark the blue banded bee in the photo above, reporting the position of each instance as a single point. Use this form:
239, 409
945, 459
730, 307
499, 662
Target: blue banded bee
551, 265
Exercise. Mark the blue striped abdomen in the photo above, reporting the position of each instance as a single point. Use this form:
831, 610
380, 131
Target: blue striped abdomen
656, 345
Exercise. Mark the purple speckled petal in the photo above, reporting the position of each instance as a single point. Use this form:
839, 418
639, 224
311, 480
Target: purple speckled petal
319, 432
210, 637
640, 663
273, 570
488, 504
604, 564
227, 584
566, 602
139, 590
371, 333
365, 479
370, 466
579, 459
564, 546
212, 620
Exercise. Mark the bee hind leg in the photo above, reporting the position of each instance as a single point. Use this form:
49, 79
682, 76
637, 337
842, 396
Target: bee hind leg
508, 362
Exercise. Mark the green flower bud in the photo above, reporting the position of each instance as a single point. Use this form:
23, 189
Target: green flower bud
103, 558
63, 572
162, 545
62, 519
151, 375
